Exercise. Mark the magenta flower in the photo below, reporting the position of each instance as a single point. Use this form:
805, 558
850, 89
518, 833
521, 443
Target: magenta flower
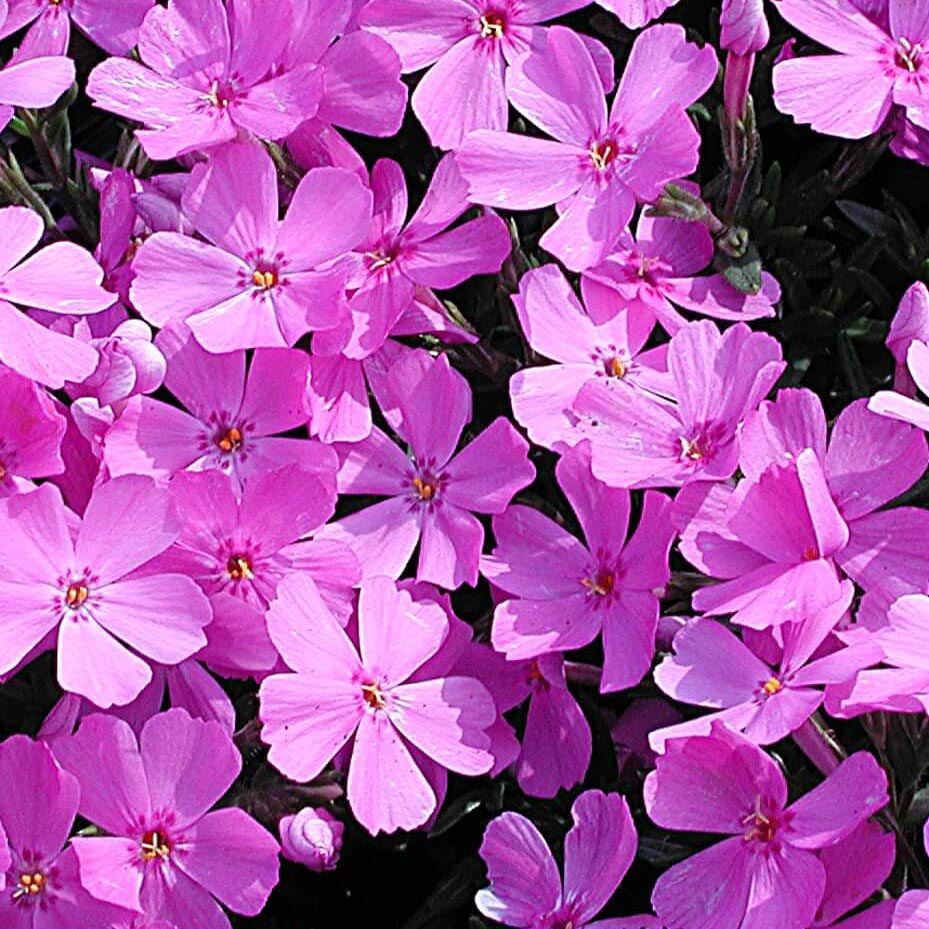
434, 493
744, 28
716, 379
659, 270
362, 90
31, 432
39, 801
869, 461
312, 838
237, 550
637, 13
340, 408
75, 587
767, 872
397, 256
35, 82
469, 45
851, 94
566, 592
599, 163
370, 695
62, 278
165, 853
911, 348
258, 283
206, 77
910, 324
525, 887
558, 326
112, 24
233, 420
712, 667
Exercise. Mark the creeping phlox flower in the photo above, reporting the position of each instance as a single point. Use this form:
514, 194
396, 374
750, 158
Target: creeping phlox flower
600, 162
397, 256
41, 886
61, 278
434, 493
167, 853
259, 282
525, 886
207, 76
397, 721
469, 45
716, 380
565, 592
599, 340
768, 872
73, 585
851, 94
111, 24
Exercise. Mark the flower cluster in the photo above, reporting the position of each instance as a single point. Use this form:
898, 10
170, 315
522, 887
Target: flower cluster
319, 509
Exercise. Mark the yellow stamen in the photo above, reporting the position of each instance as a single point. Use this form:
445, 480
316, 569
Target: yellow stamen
491, 26
602, 584
602, 155
239, 568
378, 260
155, 845
616, 368
216, 97
690, 448
2, 471
76, 596
30, 884
264, 280
373, 696
425, 489
230, 440
771, 686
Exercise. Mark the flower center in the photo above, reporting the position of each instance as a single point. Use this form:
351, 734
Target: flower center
264, 280
3, 471
693, 449
239, 568
810, 554
379, 260
220, 95
492, 25
425, 489
603, 154
373, 696
615, 368
601, 584
907, 54
76, 596
30, 884
771, 686
155, 845
230, 441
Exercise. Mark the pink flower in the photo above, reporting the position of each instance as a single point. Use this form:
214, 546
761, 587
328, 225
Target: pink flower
557, 326
567, 592
525, 886
312, 838
233, 420
398, 256
768, 872
112, 24
62, 278
600, 163
362, 90
433, 494
31, 433
73, 585
340, 408
238, 550
851, 94
717, 379
712, 667
637, 13
470, 45
910, 324
258, 284
206, 77
38, 803
659, 269
744, 28
165, 853
339, 693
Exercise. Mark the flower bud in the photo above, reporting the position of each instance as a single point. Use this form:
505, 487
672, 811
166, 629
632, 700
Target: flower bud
312, 838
